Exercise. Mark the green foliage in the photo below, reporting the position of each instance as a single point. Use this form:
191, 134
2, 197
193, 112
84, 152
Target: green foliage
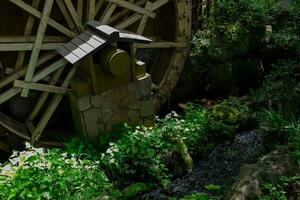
271, 121
50, 174
285, 34
279, 191
279, 89
137, 156
234, 28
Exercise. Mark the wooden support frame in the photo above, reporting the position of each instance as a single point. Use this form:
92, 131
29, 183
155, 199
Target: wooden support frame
27, 32
42, 99
21, 4
40, 87
38, 44
52, 107
74, 15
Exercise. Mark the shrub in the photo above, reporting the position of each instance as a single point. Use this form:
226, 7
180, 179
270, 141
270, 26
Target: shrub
38, 173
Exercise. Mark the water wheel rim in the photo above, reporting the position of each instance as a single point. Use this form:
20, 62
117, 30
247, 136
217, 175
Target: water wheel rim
76, 14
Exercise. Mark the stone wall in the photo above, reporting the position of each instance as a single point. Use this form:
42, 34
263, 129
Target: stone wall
131, 103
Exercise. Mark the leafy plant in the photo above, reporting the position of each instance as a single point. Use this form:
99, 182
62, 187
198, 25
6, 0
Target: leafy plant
38, 173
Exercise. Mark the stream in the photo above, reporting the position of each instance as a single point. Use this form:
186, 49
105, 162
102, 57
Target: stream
221, 167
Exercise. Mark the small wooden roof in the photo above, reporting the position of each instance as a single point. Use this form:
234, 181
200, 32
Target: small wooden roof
95, 38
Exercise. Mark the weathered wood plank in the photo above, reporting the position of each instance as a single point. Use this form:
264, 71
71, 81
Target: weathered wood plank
130, 20
133, 7
162, 45
80, 10
38, 14
22, 71
29, 39
40, 87
65, 13
14, 127
50, 69
27, 32
8, 94
74, 15
38, 43
43, 97
52, 107
99, 5
28, 46
91, 10
144, 19
107, 13
124, 12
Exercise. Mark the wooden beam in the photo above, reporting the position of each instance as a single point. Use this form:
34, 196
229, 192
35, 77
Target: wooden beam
159, 3
74, 15
43, 98
124, 12
80, 10
28, 46
40, 87
91, 10
52, 107
22, 71
65, 13
144, 19
130, 20
38, 14
27, 32
107, 13
29, 39
162, 45
38, 43
133, 7
8, 94
50, 69
98, 6
14, 91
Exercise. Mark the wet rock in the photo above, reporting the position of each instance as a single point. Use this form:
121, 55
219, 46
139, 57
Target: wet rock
268, 169
219, 168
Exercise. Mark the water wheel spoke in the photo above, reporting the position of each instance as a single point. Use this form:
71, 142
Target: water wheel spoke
129, 21
80, 10
31, 39
28, 46
162, 45
133, 7
65, 13
74, 15
38, 15
124, 12
99, 5
27, 32
91, 10
38, 43
21, 72
52, 107
43, 97
107, 13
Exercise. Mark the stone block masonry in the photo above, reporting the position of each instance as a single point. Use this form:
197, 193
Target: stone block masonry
130, 103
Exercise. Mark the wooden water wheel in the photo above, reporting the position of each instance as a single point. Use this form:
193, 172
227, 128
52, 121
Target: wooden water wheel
32, 30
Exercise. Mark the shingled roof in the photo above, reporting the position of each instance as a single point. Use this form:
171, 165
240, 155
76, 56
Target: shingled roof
95, 38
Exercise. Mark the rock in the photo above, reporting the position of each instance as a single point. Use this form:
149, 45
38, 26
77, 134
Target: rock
133, 190
84, 103
147, 108
268, 169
